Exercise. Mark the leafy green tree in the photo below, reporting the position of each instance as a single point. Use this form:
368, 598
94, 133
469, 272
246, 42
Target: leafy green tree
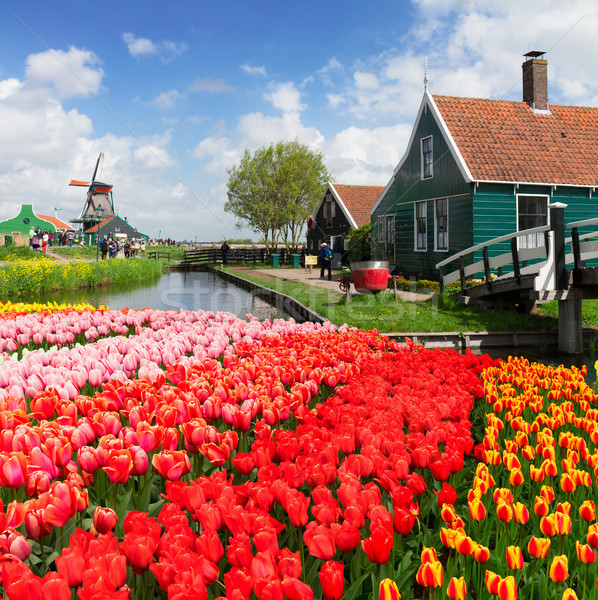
275, 189
360, 243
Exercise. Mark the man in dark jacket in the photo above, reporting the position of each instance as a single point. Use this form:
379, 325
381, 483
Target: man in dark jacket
325, 257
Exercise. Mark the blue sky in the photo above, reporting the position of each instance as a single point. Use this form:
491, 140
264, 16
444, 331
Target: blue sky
173, 92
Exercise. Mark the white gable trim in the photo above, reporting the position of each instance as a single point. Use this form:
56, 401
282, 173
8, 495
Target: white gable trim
450, 141
427, 103
345, 210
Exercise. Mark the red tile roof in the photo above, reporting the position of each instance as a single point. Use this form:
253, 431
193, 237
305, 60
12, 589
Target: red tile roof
58, 223
504, 140
359, 200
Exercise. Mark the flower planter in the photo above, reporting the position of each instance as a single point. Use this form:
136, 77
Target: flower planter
370, 277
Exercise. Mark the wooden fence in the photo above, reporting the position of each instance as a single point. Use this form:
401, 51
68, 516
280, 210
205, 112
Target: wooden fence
237, 255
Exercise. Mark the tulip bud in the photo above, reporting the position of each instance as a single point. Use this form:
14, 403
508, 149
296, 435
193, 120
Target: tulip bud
559, 569
456, 589
538, 547
514, 558
569, 594
507, 588
388, 590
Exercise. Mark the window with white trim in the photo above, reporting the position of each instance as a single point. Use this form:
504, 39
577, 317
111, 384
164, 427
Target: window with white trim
381, 229
426, 158
421, 226
329, 209
532, 211
441, 225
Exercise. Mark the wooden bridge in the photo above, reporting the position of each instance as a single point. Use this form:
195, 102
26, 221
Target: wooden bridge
551, 270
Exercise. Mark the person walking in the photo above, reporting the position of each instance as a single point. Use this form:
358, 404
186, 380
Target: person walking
45, 241
325, 261
31, 234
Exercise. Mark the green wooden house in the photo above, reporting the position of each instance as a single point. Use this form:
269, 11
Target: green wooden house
476, 169
16, 229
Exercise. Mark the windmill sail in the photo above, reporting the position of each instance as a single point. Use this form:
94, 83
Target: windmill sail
98, 194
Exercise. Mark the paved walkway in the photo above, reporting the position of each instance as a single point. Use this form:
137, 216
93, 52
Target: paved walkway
313, 278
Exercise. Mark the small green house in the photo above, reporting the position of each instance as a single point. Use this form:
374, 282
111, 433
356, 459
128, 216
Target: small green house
16, 230
477, 169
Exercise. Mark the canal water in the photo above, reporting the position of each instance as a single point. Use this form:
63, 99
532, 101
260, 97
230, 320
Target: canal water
194, 290
205, 291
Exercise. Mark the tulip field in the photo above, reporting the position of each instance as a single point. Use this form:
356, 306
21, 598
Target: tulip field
196, 455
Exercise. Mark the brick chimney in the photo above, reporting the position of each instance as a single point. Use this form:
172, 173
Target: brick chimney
535, 80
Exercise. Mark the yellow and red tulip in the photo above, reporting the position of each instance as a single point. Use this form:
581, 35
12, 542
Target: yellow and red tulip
538, 547
388, 590
456, 589
559, 568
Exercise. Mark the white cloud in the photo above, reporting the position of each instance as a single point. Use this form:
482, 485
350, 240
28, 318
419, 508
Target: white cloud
365, 81
254, 70
140, 47
68, 74
167, 100
285, 96
210, 85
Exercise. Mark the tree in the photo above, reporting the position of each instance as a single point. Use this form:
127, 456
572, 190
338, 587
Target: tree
360, 243
275, 189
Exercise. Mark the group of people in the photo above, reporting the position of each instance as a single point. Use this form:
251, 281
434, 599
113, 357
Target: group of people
40, 240
110, 248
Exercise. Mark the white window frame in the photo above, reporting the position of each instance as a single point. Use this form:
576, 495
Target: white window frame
437, 247
431, 153
390, 219
330, 211
535, 240
424, 248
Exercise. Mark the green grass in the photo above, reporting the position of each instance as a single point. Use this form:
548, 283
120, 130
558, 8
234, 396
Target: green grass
439, 313
11, 252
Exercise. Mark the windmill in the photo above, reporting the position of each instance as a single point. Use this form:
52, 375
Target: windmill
98, 201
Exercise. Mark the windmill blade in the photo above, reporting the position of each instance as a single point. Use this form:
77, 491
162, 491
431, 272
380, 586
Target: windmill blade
95, 172
79, 183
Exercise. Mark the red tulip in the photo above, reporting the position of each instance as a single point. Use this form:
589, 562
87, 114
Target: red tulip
332, 579
320, 542
447, 495
171, 464
378, 545
104, 519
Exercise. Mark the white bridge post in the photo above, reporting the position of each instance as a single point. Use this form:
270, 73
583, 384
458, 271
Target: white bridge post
570, 330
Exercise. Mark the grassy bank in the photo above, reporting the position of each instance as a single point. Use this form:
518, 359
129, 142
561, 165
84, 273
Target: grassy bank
45, 275
438, 313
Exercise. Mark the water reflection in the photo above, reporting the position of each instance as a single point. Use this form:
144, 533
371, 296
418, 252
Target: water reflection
188, 291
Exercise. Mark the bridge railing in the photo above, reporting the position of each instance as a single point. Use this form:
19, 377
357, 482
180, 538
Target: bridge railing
582, 249
492, 265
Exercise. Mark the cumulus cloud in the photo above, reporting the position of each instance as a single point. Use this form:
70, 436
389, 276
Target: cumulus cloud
140, 47
285, 96
67, 74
